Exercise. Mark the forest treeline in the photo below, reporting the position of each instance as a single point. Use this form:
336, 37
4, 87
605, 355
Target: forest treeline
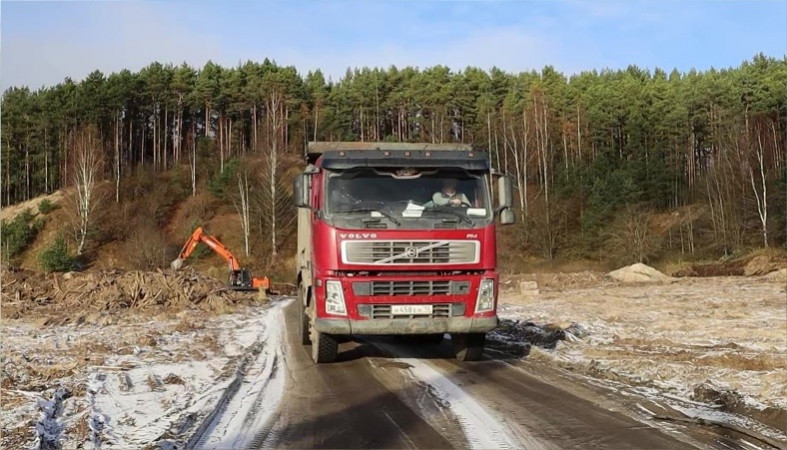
598, 158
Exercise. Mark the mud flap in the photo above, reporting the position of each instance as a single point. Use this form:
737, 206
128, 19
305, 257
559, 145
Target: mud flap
303, 318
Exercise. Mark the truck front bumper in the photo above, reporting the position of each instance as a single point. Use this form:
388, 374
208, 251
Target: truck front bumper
407, 326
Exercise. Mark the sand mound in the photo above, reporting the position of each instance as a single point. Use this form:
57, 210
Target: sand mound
78, 297
763, 265
638, 273
778, 275
745, 266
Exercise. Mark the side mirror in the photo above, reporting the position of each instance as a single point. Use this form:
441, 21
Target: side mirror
506, 217
505, 199
505, 192
301, 190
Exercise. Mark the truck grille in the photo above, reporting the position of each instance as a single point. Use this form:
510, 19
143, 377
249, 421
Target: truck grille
384, 312
411, 287
410, 252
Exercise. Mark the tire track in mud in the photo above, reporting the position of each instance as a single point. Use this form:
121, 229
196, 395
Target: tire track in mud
252, 397
536, 413
365, 400
483, 427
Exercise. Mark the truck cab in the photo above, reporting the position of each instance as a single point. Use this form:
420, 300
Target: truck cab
398, 239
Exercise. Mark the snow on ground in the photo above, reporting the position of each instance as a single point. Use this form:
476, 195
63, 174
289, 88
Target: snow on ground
483, 430
259, 389
717, 340
128, 385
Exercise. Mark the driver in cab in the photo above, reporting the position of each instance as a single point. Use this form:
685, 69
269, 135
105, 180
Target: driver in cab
448, 195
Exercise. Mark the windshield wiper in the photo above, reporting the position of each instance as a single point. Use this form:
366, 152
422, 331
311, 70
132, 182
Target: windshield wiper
449, 211
382, 211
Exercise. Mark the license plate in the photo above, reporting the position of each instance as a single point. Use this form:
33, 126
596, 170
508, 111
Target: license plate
406, 310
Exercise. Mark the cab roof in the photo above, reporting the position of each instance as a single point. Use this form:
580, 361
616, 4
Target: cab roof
346, 155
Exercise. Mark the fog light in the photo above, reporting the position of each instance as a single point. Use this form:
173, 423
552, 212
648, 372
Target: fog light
334, 298
486, 296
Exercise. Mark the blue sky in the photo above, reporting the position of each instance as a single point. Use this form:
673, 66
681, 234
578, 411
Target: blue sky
43, 42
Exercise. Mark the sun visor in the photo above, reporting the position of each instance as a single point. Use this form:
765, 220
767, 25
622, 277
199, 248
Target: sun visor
340, 160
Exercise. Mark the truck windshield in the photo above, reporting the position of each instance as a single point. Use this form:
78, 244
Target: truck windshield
403, 194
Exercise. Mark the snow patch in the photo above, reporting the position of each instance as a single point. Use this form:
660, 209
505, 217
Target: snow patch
48, 427
257, 393
482, 429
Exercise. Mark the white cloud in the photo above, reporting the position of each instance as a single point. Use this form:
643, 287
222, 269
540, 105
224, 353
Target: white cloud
115, 36
127, 35
332, 35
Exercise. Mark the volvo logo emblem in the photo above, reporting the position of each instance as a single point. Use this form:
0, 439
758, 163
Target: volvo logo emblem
411, 252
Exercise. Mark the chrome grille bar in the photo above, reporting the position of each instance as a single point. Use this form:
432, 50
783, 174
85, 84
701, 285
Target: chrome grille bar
410, 252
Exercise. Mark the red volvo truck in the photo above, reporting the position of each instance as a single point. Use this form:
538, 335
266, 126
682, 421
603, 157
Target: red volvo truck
398, 239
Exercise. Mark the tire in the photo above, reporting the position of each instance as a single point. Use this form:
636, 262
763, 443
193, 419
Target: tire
325, 347
304, 319
468, 346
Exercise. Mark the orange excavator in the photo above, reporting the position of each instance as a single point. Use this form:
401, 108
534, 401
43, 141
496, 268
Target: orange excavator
240, 278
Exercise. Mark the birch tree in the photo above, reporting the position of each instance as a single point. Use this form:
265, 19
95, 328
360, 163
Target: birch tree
88, 166
758, 177
241, 202
275, 110
193, 160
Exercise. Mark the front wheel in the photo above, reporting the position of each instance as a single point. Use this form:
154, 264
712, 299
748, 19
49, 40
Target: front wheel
468, 346
325, 346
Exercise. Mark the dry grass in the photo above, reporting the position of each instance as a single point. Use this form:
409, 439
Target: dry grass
173, 379
189, 324
730, 330
208, 342
154, 382
8, 213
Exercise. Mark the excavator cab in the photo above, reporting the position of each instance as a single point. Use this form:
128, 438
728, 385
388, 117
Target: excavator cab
241, 280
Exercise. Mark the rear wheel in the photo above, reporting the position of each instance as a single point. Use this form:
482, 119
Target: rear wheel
468, 346
325, 347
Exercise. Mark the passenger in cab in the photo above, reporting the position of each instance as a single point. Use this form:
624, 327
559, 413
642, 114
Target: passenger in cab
449, 196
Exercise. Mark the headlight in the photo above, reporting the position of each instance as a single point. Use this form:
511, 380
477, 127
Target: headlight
486, 296
334, 298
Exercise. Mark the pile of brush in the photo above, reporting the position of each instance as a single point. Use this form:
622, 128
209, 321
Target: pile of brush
80, 296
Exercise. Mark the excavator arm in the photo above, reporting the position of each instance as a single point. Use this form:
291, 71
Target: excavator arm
240, 278
199, 236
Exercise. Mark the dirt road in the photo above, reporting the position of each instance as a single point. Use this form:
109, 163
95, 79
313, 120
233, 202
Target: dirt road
385, 393
683, 363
